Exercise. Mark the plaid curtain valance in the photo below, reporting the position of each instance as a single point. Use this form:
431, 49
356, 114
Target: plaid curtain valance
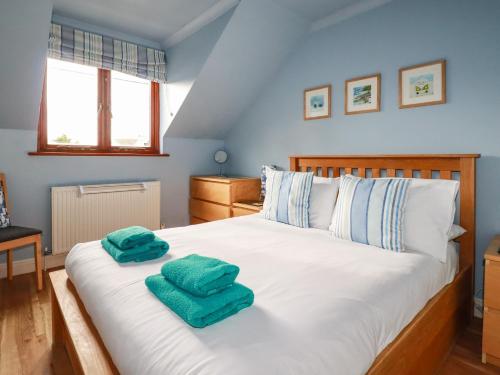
82, 47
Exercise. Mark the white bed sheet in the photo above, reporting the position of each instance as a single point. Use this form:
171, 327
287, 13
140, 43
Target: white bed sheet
322, 305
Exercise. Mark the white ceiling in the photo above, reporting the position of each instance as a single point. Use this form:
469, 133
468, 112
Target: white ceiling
155, 20
314, 10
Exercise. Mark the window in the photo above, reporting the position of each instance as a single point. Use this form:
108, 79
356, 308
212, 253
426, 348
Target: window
87, 110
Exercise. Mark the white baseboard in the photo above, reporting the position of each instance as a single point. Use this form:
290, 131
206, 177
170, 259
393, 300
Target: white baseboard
21, 267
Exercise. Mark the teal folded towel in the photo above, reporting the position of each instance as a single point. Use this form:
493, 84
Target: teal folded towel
200, 312
128, 238
201, 276
152, 250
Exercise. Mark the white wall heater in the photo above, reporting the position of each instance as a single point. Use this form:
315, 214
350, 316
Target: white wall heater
88, 212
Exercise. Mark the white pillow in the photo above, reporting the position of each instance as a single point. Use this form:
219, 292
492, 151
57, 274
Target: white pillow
453, 264
455, 232
322, 201
429, 215
430, 210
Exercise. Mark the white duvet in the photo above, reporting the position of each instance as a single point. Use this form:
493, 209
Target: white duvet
322, 305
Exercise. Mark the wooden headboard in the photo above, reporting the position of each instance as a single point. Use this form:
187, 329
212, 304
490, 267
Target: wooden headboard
443, 166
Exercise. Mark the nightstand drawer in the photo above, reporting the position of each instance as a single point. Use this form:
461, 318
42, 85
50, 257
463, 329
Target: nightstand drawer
211, 191
208, 211
195, 220
492, 284
246, 208
491, 334
237, 211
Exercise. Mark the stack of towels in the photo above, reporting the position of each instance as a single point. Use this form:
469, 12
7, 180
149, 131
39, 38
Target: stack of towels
201, 290
135, 243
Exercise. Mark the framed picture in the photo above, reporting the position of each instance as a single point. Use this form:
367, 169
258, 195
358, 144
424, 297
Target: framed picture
362, 95
423, 84
318, 102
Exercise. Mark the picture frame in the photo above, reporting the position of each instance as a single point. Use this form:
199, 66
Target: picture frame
362, 94
318, 102
422, 84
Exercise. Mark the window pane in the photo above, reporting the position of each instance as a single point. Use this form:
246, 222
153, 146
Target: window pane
71, 104
131, 109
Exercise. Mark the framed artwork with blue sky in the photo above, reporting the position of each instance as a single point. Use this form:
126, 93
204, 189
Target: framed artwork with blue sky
318, 102
362, 95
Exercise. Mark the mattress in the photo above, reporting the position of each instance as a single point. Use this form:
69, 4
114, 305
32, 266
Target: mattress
322, 305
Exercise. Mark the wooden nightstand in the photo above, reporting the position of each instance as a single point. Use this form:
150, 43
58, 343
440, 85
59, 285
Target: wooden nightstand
212, 197
491, 320
246, 208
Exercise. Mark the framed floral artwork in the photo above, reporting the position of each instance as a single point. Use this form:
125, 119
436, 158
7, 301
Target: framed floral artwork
423, 84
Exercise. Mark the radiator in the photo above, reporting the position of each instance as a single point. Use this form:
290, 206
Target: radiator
86, 213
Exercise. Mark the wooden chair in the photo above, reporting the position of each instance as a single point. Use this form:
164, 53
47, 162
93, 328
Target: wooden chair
13, 237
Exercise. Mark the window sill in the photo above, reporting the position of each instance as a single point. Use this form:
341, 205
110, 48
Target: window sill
86, 153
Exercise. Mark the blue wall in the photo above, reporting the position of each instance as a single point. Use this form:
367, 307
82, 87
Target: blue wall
24, 31
29, 177
401, 33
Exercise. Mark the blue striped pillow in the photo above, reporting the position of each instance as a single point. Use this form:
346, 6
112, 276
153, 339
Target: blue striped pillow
287, 197
371, 211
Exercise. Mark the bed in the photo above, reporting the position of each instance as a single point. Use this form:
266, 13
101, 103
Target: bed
322, 305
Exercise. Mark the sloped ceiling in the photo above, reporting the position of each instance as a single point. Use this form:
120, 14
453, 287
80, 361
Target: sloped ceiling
149, 19
314, 10
253, 46
185, 60
24, 29
255, 42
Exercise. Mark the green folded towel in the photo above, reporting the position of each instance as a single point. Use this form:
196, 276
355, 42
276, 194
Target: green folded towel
128, 238
201, 276
200, 312
152, 250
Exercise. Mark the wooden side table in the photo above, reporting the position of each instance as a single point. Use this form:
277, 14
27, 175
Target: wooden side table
491, 320
246, 208
212, 197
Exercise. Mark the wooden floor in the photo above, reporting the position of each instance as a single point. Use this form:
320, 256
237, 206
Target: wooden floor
465, 358
25, 330
25, 336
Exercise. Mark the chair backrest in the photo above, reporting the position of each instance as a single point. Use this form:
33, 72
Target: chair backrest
3, 182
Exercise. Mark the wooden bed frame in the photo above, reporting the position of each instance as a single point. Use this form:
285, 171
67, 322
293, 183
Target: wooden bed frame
419, 349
